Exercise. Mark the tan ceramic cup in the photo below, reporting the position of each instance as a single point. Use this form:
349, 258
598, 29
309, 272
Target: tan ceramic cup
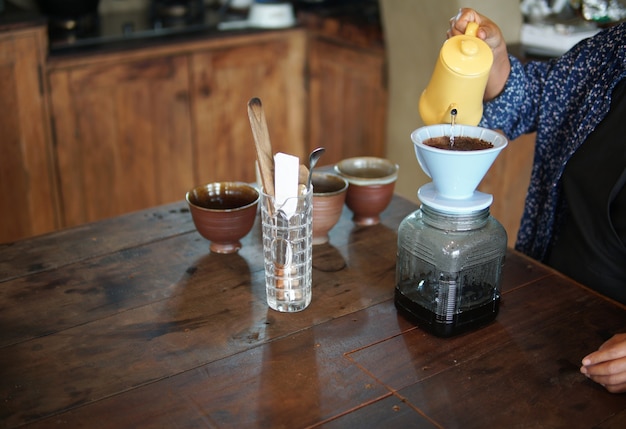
372, 182
329, 196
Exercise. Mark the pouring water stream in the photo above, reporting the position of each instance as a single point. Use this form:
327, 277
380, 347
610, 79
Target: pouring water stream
453, 114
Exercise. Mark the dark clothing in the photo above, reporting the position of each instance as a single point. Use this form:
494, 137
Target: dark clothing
591, 245
564, 101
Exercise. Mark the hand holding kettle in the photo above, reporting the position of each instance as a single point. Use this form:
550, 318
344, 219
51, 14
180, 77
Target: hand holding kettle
491, 34
457, 86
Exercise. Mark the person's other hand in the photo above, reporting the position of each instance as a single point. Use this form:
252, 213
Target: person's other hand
607, 365
492, 35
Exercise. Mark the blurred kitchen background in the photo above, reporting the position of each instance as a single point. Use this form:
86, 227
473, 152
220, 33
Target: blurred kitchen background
551, 27
74, 23
111, 106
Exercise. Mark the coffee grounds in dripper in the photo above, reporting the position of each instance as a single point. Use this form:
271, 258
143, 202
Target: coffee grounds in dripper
461, 143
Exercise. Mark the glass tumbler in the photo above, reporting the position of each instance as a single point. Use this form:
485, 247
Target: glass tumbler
288, 250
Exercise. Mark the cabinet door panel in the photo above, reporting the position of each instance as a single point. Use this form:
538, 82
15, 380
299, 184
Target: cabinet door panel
123, 136
27, 189
348, 101
507, 180
224, 80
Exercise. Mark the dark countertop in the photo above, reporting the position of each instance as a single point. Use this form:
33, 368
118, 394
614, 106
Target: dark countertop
13, 18
354, 22
357, 23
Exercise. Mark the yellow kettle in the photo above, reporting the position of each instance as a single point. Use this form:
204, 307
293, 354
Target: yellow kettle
458, 80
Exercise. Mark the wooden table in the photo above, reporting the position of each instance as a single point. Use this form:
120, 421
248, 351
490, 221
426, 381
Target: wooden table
133, 323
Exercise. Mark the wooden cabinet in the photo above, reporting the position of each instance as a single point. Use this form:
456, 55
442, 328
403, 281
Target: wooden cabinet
224, 80
348, 100
27, 180
137, 129
507, 180
123, 135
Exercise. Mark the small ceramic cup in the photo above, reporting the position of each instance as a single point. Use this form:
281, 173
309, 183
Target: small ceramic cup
372, 182
223, 213
329, 196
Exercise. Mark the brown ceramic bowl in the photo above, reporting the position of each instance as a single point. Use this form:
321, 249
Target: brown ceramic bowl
329, 196
223, 213
372, 182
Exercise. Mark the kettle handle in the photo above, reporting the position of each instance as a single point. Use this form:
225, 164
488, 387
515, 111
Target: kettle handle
471, 29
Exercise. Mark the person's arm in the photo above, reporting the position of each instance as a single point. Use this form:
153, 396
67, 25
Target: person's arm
607, 365
491, 34
513, 94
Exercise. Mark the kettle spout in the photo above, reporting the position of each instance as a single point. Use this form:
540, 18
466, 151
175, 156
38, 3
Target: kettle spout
451, 114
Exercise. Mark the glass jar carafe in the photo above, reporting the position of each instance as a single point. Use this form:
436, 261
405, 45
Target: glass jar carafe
448, 269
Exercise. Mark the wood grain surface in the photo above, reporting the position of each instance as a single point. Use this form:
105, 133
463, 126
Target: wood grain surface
131, 322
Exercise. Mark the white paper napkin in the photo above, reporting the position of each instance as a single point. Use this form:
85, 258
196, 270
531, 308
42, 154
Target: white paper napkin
286, 169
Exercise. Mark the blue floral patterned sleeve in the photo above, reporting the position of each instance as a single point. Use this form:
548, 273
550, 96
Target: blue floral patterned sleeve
516, 109
563, 100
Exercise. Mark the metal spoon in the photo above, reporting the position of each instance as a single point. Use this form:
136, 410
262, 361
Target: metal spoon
313, 158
